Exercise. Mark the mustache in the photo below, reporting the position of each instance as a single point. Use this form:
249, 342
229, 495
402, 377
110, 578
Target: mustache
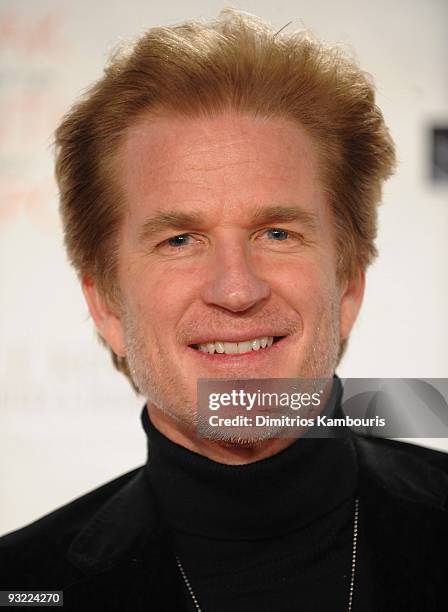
214, 324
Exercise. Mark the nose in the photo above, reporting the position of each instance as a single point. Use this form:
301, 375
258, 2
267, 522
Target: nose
233, 283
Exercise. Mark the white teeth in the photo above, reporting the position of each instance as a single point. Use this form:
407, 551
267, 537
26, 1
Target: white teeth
230, 348
233, 348
256, 344
244, 347
219, 347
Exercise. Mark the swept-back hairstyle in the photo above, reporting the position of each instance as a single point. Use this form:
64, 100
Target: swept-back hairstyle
237, 62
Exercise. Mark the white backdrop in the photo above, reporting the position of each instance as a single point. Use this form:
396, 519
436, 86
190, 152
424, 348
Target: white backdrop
68, 422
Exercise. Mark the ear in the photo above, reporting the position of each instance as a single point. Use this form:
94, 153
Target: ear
352, 294
107, 320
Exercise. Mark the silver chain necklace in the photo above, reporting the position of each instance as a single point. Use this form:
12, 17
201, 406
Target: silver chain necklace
352, 576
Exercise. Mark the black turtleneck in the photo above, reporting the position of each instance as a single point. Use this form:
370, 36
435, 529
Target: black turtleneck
273, 535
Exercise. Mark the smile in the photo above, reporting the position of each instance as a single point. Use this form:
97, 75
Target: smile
236, 348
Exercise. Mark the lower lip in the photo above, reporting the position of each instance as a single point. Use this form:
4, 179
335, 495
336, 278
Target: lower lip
252, 355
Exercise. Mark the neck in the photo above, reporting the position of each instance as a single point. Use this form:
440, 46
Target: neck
216, 450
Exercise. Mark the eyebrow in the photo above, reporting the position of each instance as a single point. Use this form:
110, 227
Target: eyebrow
284, 214
177, 220
169, 220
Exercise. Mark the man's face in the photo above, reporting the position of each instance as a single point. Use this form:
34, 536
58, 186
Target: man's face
227, 240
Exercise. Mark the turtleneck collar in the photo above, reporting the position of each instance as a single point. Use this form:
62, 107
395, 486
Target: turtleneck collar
266, 498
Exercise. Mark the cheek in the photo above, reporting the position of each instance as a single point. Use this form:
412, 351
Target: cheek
308, 289
159, 298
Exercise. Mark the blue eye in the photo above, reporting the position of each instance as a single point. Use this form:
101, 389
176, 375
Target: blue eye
278, 234
179, 241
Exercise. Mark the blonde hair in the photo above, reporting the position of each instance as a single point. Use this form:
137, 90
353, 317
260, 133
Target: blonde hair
238, 62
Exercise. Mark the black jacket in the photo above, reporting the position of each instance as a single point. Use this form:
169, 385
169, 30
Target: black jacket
107, 551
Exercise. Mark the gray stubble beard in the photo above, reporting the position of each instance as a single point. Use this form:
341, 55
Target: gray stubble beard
318, 364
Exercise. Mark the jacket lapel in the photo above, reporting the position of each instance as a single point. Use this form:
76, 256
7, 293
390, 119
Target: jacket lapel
122, 554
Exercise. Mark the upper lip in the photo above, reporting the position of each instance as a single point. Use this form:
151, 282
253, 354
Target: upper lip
233, 336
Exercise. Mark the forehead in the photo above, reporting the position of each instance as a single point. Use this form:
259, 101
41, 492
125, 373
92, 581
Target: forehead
221, 165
